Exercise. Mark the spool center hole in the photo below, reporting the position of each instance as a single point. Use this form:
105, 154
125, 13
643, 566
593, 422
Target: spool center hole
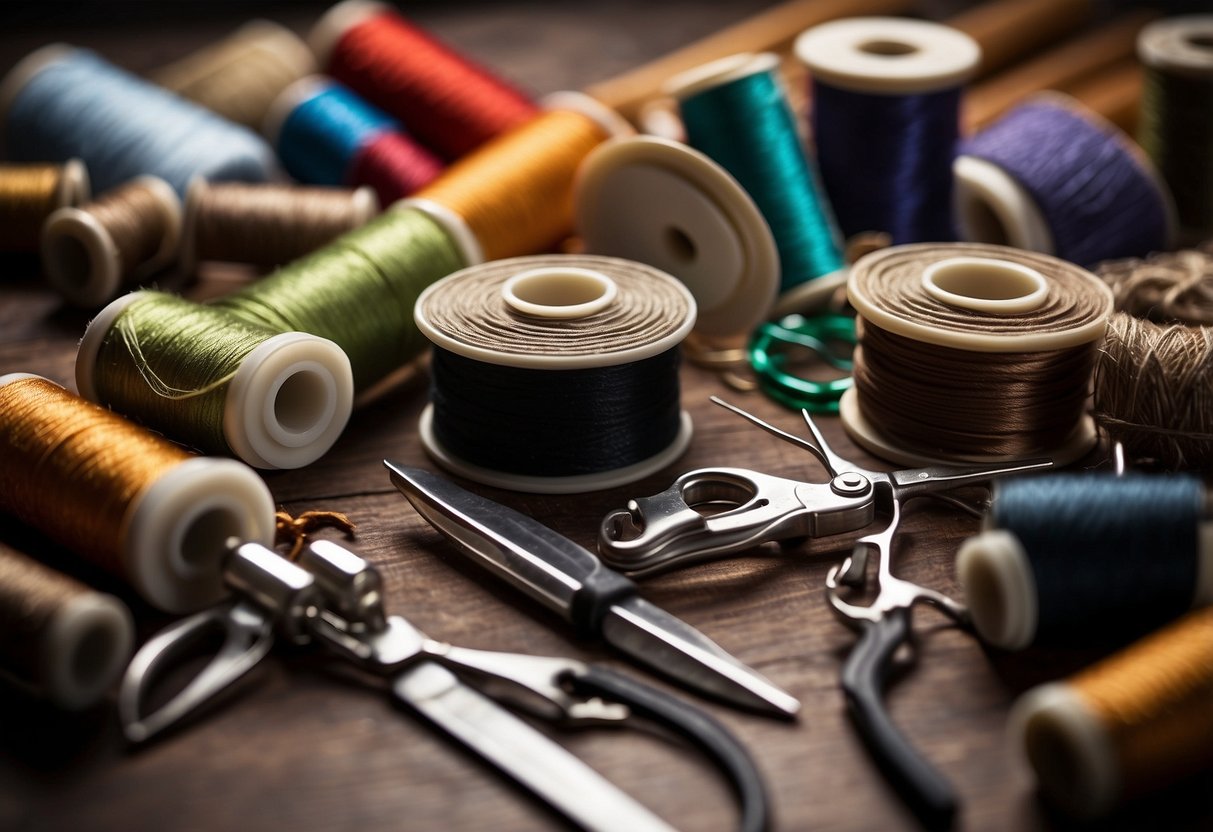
92, 656
300, 402
984, 280
559, 292
69, 261
985, 225
888, 48
1202, 40
680, 245
204, 540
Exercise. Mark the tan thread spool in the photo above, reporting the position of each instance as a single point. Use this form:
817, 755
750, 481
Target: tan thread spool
122, 497
58, 638
89, 253
1128, 726
267, 225
29, 193
240, 76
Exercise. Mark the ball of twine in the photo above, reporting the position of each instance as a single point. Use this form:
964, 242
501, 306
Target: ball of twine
1167, 286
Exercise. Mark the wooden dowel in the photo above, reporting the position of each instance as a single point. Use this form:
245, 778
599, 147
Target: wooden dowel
1115, 94
1009, 29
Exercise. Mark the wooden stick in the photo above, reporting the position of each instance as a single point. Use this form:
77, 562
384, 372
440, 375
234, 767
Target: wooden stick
1009, 29
1115, 94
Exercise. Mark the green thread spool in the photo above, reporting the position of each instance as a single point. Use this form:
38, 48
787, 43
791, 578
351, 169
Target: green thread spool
273, 399
359, 291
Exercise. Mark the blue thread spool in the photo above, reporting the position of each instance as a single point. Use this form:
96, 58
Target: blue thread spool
735, 111
1068, 558
61, 102
885, 115
1053, 177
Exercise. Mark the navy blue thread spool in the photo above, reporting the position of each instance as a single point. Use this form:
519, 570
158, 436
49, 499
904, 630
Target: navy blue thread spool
1052, 176
1073, 558
61, 102
885, 119
555, 374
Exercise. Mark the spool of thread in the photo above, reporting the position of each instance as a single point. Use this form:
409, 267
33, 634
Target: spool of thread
660, 202
123, 498
515, 194
273, 398
1052, 176
972, 353
1080, 558
1129, 726
451, 104
241, 75
267, 225
885, 115
58, 638
1153, 383
62, 103
555, 374
1177, 114
30, 193
1166, 286
131, 232
735, 111
326, 135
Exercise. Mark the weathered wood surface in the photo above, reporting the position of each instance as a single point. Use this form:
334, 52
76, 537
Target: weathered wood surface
301, 747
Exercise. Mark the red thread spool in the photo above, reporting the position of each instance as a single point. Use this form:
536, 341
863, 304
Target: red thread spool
447, 102
395, 166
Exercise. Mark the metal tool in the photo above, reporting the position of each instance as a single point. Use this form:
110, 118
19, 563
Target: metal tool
568, 579
884, 626
334, 598
667, 530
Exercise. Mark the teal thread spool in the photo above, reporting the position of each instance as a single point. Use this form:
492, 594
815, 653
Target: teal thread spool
736, 111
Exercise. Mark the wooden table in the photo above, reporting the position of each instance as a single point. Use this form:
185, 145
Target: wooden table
301, 747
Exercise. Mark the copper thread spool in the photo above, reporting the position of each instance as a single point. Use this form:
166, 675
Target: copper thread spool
122, 497
1128, 726
29, 193
89, 253
267, 225
58, 638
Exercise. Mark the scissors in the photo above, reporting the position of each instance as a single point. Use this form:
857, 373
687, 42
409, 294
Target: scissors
666, 530
335, 598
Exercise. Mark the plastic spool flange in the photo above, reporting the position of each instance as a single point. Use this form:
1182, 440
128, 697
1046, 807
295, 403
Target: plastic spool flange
84, 649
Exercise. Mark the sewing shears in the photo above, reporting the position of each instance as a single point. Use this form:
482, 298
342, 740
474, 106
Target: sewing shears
334, 598
678, 526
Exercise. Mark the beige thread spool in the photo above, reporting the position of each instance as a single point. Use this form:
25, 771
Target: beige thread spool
29, 193
58, 638
89, 253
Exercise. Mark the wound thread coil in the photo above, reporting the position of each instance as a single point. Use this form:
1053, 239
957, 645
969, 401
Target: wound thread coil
972, 353
123, 498
1131, 725
89, 253
29, 193
555, 374
58, 638
1166, 286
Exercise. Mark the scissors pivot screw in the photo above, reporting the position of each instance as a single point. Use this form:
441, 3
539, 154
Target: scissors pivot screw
850, 484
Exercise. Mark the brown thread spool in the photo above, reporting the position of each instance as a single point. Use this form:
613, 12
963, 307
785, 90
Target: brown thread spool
241, 75
972, 353
1130, 725
128, 234
1154, 391
31, 193
58, 638
267, 225
122, 497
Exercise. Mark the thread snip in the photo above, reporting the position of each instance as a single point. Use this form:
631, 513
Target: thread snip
30, 193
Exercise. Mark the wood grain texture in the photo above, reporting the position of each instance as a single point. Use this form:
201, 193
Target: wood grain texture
303, 745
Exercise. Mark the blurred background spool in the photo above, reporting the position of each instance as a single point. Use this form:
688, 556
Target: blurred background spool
1166, 286
58, 638
973, 353
555, 374
124, 498
1177, 114
29, 193
1051, 176
1087, 558
273, 398
91, 252
326, 134
1129, 726
885, 120
61, 103
241, 75
451, 104
267, 225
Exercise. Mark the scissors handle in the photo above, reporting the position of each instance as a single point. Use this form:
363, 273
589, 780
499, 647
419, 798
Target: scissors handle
863, 680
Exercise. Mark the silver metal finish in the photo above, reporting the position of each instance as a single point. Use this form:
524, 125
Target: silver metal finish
286, 592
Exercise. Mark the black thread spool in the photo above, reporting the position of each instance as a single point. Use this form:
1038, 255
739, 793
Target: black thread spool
1068, 558
555, 374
